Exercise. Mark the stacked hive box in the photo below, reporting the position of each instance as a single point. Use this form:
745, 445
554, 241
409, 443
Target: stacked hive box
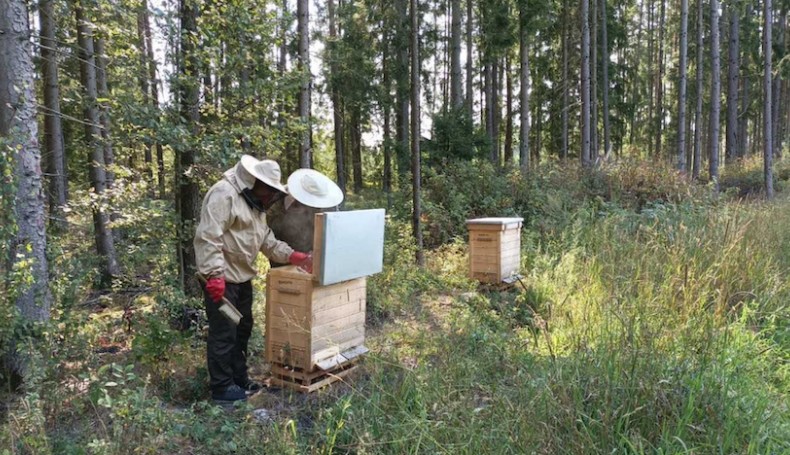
312, 329
494, 248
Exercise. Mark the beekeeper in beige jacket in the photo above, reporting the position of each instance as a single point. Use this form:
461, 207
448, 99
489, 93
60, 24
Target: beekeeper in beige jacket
231, 233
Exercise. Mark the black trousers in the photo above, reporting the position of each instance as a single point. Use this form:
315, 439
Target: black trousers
227, 344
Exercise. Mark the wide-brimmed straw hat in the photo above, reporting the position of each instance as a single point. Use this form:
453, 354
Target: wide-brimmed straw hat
267, 171
314, 189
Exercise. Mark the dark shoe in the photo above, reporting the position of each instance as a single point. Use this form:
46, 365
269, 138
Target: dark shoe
230, 394
250, 386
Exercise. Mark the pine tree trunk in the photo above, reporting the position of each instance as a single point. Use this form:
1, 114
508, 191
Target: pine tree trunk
303, 18
154, 86
495, 112
585, 83
768, 143
470, 97
508, 114
660, 80
415, 130
776, 92
402, 88
19, 128
523, 147
605, 68
456, 94
682, 83
698, 112
715, 94
337, 113
733, 74
356, 148
566, 25
104, 114
142, 79
386, 113
105, 245
54, 143
594, 81
187, 190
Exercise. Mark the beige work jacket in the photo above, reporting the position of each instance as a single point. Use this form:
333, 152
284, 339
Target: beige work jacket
230, 233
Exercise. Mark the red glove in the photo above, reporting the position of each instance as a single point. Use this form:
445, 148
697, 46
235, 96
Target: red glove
302, 260
216, 288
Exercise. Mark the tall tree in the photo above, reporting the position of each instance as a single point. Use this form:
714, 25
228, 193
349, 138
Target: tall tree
605, 69
187, 190
768, 143
54, 143
715, 93
402, 40
105, 245
456, 94
415, 129
733, 74
585, 83
508, 113
337, 109
565, 78
523, 146
19, 138
660, 79
154, 87
104, 112
682, 83
697, 161
303, 21
594, 141
470, 95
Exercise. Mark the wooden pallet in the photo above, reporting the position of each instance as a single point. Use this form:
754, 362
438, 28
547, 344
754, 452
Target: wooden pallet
306, 382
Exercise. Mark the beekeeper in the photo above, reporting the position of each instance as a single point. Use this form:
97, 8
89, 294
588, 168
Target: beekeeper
292, 219
231, 232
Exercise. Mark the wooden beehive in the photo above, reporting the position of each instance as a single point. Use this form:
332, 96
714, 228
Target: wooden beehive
494, 248
309, 326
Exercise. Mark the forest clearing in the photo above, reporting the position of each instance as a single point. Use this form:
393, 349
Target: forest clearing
152, 148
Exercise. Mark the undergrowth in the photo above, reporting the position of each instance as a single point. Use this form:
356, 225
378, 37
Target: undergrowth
652, 318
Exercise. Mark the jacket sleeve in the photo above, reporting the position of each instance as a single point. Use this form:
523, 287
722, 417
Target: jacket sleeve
275, 250
215, 217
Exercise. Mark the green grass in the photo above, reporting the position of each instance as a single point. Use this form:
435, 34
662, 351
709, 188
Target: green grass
649, 324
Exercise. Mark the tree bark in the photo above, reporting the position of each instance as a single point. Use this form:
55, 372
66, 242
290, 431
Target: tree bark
54, 143
660, 80
715, 93
523, 146
470, 97
594, 81
682, 83
154, 87
104, 114
456, 94
337, 111
105, 245
698, 111
356, 148
733, 74
19, 129
508, 113
402, 88
187, 190
585, 83
142, 79
605, 68
415, 130
768, 143
565, 78
385, 107
303, 18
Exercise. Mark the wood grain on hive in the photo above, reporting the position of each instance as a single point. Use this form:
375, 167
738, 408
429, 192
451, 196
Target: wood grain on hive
494, 248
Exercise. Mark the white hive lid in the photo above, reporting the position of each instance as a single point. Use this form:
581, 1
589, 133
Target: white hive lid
495, 220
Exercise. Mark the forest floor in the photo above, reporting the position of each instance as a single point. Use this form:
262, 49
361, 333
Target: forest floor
659, 330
